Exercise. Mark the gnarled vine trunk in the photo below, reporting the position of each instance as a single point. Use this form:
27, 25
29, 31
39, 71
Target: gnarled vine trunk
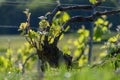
51, 54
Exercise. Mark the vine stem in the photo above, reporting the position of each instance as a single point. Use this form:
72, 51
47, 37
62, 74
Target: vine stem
23, 66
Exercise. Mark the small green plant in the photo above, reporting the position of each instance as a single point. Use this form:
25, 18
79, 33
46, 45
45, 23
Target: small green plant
46, 38
101, 28
112, 50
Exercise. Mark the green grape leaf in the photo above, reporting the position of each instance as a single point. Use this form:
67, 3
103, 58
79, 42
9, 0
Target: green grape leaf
51, 41
61, 36
33, 34
77, 53
113, 39
65, 17
67, 28
93, 1
23, 26
43, 24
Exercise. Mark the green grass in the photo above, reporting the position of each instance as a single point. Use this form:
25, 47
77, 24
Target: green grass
13, 41
83, 74
86, 73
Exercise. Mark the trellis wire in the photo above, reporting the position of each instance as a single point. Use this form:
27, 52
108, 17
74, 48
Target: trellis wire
14, 27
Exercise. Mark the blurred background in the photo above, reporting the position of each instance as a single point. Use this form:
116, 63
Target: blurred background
13, 46
11, 12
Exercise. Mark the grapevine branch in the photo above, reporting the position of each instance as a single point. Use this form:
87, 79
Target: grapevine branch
83, 7
89, 18
66, 8
86, 19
